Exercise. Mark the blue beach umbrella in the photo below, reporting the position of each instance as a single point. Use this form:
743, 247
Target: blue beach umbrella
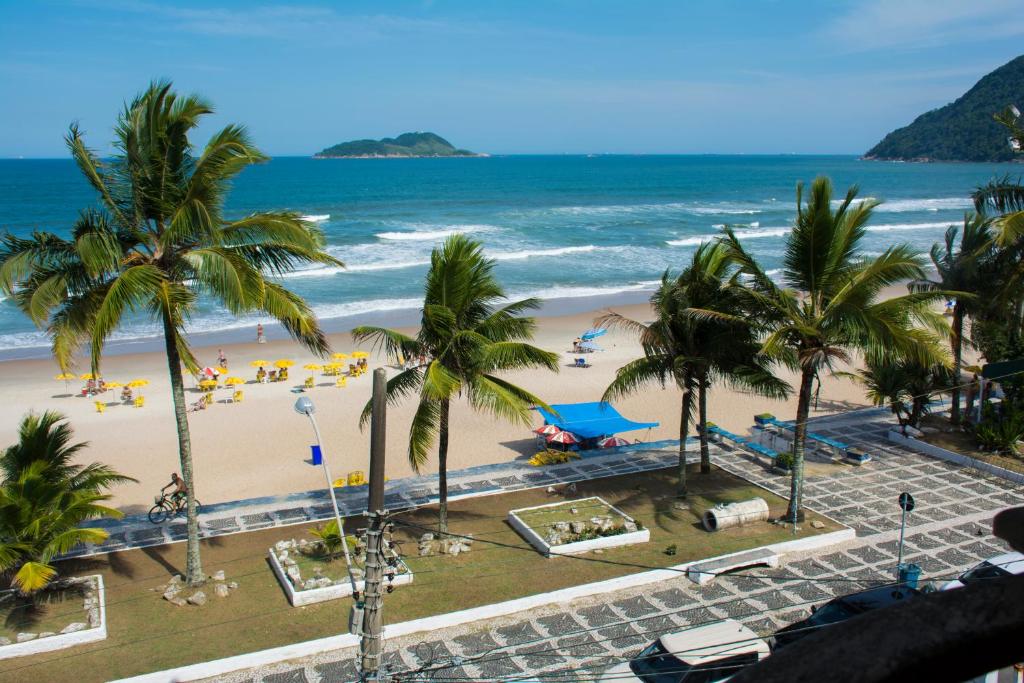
593, 333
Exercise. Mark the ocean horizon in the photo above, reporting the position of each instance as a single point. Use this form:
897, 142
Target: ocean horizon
576, 230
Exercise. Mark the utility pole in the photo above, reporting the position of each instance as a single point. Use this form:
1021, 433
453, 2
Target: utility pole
370, 641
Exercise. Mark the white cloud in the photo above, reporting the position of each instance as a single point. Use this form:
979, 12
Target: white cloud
924, 23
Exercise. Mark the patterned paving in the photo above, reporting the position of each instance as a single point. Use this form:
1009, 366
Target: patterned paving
948, 532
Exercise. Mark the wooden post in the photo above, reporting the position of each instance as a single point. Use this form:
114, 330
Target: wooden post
370, 642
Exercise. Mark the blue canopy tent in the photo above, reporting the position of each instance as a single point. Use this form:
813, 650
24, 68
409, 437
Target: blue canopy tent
591, 420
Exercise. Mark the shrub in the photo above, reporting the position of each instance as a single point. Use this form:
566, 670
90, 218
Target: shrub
784, 460
552, 457
1000, 433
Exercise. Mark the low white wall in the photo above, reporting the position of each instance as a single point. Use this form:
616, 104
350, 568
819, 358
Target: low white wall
952, 456
298, 598
64, 640
219, 667
535, 539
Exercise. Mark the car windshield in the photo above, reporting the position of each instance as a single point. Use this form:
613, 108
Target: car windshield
655, 665
985, 570
832, 613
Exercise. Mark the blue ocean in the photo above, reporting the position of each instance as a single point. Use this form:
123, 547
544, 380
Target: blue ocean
559, 227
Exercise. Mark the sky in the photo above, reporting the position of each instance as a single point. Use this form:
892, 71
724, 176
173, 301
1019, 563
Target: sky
551, 77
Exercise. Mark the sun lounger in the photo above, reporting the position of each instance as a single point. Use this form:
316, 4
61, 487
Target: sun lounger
237, 396
581, 363
100, 406
140, 401
341, 382
309, 383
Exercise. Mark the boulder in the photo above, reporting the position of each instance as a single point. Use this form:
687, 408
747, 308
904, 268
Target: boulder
4, 641
178, 601
454, 548
574, 511
94, 616
74, 627
282, 545
221, 590
318, 571
293, 574
25, 637
427, 537
218, 575
47, 634
323, 582
630, 526
289, 562
817, 524
177, 579
309, 584
170, 595
577, 527
198, 599
425, 550
232, 585
561, 527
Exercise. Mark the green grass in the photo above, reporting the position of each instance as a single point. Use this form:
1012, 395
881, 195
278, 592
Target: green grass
147, 633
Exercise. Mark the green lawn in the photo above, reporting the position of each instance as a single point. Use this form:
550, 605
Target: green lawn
50, 611
148, 633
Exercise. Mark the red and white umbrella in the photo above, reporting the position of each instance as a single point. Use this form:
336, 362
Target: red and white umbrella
547, 430
612, 442
563, 437
210, 372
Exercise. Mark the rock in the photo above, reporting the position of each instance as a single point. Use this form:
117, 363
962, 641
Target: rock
178, 601
574, 511
599, 552
289, 562
281, 545
221, 590
232, 585
817, 524
176, 580
308, 584
74, 628
426, 537
318, 571
323, 582
303, 544
454, 548
47, 634
577, 527
94, 616
424, 550
170, 595
25, 637
293, 574
198, 599
4, 641
630, 526
561, 527
282, 556
596, 521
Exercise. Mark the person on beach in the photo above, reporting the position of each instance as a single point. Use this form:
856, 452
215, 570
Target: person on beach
222, 360
261, 375
180, 490
576, 345
126, 394
260, 339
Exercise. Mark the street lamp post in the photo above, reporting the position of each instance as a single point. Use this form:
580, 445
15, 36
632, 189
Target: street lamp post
304, 406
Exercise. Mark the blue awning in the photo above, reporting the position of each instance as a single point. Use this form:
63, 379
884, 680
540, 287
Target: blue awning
591, 420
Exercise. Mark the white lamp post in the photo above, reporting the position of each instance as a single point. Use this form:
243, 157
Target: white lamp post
304, 406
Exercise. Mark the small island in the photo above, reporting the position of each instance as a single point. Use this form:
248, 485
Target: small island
404, 146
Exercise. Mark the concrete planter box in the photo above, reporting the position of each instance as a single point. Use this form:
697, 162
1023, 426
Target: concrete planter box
951, 456
535, 539
95, 630
298, 597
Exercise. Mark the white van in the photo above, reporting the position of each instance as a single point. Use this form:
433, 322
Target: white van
704, 654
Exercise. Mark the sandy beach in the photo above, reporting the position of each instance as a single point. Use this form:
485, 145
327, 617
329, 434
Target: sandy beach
261, 446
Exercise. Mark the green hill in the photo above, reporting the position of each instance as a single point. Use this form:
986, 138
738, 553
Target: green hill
962, 130
405, 145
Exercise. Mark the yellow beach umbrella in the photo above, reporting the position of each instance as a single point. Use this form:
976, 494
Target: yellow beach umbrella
114, 385
284, 363
259, 363
360, 354
87, 376
65, 377
339, 356
312, 367
232, 381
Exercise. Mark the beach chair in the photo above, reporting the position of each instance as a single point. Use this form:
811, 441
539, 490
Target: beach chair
356, 478
283, 375
140, 401
581, 363
237, 396
100, 406
207, 399
309, 383
342, 381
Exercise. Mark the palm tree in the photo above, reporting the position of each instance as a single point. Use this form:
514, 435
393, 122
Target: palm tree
904, 384
700, 336
45, 499
829, 306
158, 244
959, 269
466, 335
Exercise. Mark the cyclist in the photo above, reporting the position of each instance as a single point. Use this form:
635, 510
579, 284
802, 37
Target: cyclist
180, 492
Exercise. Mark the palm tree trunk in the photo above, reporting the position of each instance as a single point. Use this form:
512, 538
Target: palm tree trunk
684, 429
795, 512
442, 468
702, 416
956, 342
193, 567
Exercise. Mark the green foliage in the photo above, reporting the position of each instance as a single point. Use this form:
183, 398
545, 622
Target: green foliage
964, 130
784, 460
905, 385
1000, 430
44, 500
329, 537
405, 145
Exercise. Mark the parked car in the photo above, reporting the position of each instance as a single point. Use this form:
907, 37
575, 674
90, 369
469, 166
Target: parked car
843, 608
1001, 565
705, 654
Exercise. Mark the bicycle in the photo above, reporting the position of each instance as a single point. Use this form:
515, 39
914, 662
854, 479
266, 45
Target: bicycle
168, 506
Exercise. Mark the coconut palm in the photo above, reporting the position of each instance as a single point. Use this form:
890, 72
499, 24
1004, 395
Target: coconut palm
467, 334
157, 246
45, 500
905, 385
829, 305
959, 268
699, 337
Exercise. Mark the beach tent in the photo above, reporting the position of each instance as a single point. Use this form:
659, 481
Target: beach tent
590, 420
593, 333
590, 346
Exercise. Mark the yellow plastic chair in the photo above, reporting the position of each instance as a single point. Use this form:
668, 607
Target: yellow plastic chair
237, 396
208, 399
100, 406
140, 401
342, 381
309, 383
357, 478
